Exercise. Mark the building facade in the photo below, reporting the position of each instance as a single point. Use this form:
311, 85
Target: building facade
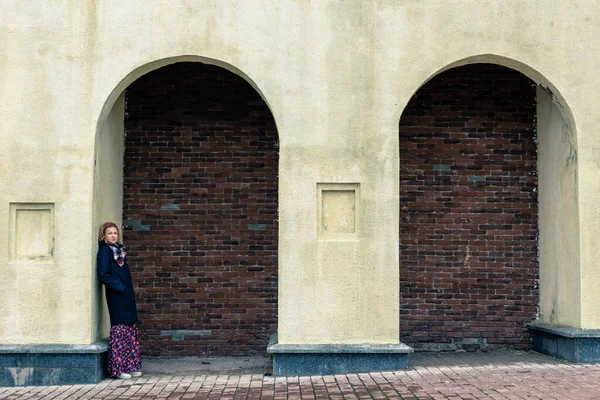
358, 177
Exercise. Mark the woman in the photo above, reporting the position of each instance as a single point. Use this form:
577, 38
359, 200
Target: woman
124, 359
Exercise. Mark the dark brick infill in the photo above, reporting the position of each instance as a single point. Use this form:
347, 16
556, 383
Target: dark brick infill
201, 203
468, 210
200, 211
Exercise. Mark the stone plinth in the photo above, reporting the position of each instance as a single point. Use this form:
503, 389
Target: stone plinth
573, 344
324, 359
52, 364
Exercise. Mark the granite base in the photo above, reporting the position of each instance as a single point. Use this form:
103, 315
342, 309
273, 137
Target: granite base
52, 364
572, 344
325, 359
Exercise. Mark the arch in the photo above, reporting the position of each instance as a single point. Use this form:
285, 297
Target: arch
511, 63
107, 192
145, 68
558, 213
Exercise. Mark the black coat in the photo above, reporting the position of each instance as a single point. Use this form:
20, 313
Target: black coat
119, 288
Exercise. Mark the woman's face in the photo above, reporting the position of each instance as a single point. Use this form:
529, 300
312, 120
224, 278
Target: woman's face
111, 234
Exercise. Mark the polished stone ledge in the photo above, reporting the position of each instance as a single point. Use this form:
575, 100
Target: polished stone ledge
98, 347
564, 342
52, 364
320, 359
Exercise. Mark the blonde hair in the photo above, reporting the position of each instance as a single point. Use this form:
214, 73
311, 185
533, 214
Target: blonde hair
103, 229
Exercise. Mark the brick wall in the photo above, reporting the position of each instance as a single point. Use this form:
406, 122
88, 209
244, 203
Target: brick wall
200, 211
468, 210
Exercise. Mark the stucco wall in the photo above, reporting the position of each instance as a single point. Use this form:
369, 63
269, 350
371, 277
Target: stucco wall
336, 76
107, 201
560, 277
46, 157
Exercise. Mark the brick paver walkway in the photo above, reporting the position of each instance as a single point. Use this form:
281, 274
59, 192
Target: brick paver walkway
492, 375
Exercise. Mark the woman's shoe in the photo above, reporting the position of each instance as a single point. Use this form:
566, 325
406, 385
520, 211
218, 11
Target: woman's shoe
123, 376
136, 374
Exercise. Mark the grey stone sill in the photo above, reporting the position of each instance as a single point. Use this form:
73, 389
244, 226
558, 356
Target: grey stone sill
93, 348
399, 348
564, 331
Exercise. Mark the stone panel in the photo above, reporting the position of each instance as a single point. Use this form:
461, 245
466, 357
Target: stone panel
31, 231
338, 210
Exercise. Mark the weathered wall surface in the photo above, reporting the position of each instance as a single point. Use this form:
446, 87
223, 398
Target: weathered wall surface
336, 76
46, 157
560, 275
107, 199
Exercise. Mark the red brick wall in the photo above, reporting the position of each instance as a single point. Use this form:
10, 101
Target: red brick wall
200, 210
468, 209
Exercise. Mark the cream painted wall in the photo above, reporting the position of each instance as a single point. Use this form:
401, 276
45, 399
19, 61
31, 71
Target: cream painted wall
46, 157
108, 199
336, 76
560, 278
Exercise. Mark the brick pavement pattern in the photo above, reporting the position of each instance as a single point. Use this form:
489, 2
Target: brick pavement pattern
505, 374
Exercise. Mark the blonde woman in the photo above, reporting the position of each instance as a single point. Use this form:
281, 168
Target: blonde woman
124, 359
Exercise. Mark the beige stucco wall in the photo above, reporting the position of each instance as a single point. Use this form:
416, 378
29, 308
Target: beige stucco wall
45, 157
108, 198
560, 278
336, 75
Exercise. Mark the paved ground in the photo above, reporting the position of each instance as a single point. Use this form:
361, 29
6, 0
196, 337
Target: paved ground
492, 375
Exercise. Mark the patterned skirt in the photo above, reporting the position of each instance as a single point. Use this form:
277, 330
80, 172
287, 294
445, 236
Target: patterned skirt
123, 350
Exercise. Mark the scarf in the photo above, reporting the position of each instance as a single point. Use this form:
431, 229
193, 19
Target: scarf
118, 252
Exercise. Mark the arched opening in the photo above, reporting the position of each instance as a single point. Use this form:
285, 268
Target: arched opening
480, 247
199, 207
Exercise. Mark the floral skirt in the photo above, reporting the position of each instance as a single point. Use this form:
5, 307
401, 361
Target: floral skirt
123, 350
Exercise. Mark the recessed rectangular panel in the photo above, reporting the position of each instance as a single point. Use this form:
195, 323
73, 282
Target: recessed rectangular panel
31, 234
338, 211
